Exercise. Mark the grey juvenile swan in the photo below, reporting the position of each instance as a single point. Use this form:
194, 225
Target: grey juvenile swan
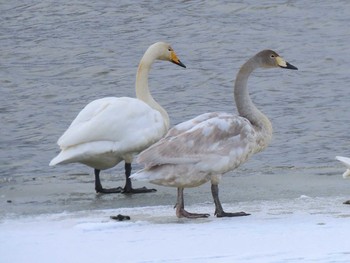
110, 130
206, 147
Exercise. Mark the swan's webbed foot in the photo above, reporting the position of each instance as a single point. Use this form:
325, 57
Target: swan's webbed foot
130, 190
180, 212
98, 186
225, 214
101, 190
347, 202
219, 211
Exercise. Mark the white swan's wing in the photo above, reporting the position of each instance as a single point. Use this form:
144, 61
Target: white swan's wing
214, 143
114, 119
110, 125
346, 162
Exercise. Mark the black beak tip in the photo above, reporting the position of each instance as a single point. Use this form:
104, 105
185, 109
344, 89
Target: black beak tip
181, 64
290, 66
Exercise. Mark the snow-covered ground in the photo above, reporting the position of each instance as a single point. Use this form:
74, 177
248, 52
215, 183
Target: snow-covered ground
303, 229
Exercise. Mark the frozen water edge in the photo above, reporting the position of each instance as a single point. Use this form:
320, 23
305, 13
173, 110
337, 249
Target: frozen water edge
304, 229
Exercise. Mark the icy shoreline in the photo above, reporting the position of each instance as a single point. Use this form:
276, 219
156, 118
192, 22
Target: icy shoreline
303, 229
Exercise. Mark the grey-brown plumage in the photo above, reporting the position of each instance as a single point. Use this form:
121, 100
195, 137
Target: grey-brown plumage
206, 147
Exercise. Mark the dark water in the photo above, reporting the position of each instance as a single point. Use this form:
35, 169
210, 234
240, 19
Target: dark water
58, 56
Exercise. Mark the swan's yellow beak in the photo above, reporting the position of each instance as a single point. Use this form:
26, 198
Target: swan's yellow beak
175, 59
284, 64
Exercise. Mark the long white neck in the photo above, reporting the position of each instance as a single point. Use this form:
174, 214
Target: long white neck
141, 86
245, 106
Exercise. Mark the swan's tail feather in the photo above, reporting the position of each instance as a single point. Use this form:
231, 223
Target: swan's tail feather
141, 175
60, 159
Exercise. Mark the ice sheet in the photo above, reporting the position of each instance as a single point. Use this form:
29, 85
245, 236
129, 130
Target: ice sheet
304, 229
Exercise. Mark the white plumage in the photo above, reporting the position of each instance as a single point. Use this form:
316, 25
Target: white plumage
110, 130
206, 147
346, 162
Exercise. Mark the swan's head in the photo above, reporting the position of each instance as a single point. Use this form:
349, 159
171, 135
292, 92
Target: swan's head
270, 59
163, 51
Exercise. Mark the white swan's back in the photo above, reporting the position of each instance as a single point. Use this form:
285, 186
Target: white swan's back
99, 129
115, 115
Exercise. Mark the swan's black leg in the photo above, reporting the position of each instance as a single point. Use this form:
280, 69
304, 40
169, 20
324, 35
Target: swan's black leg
128, 187
100, 189
219, 211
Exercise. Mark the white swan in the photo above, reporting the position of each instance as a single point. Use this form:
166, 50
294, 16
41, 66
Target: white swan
346, 174
110, 130
346, 162
204, 148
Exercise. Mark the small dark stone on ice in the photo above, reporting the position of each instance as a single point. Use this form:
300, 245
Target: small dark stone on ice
9, 201
120, 217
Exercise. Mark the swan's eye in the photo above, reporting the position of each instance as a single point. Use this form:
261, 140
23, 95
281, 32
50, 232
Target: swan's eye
170, 49
272, 56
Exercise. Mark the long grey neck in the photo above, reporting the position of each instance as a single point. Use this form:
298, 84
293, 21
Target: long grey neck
245, 106
142, 90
